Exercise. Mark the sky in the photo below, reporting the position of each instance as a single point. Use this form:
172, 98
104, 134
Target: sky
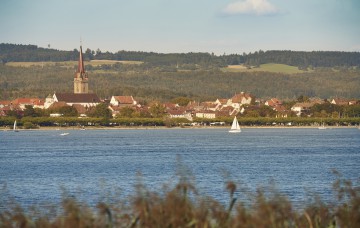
182, 26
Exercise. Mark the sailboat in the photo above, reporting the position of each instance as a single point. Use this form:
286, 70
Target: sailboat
15, 130
235, 127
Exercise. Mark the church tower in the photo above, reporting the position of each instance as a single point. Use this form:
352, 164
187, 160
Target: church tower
81, 78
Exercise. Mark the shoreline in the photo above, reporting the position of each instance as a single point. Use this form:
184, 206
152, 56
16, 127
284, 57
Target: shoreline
173, 128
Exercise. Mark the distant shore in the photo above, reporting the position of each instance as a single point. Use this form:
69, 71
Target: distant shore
169, 128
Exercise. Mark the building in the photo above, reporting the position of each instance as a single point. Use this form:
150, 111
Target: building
122, 101
81, 84
33, 102
81, 95
239, 100
84, 99
300, 108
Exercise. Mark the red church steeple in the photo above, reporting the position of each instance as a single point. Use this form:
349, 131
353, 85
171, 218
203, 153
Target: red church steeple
81, 78
81, 62
81, 68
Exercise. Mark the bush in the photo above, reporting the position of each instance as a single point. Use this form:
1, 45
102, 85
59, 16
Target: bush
29, 125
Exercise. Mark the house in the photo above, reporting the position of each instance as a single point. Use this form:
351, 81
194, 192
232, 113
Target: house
179, 114
231, 111
300, 108
4, 111
239, 100
34, 102
171, 106
205, 114
122, 101
208, 105
57, 105
85, 99
281, 111
115, 110
221, 101
354, 102
339, 101
81, 109
276, 105
273, 102
5, 103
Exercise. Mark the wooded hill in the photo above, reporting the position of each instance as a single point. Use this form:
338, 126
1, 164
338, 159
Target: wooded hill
199, 76
33, 53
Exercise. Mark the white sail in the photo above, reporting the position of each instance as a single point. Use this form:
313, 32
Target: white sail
15, 126
235, 127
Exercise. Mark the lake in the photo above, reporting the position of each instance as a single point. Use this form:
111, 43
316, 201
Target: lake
36, 165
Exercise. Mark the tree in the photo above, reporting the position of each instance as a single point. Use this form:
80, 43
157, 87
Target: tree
89, 54
157, 110
101, 111
126, 112
68, 111
29, 111
303, 98
182, 101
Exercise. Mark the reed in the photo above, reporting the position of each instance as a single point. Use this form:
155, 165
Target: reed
182, 206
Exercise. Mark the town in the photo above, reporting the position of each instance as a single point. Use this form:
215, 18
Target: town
82, 103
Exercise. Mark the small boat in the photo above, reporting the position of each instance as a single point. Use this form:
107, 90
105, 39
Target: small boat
322, 127
235, 127
65, 133
15, 129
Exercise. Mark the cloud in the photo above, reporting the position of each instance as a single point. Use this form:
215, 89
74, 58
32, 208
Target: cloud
257, 7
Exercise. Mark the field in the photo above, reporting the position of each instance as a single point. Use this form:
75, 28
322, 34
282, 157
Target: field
68, 64
269, 67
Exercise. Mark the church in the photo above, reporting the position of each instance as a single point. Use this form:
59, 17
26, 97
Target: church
81, 95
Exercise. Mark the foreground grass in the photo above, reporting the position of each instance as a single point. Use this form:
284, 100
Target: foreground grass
182, 206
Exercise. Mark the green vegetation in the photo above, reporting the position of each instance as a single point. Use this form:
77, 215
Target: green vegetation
175, 122
147, 83
29, 71
182, 206
268, 67
301, 59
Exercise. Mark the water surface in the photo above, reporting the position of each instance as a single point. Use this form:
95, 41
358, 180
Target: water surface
36, 164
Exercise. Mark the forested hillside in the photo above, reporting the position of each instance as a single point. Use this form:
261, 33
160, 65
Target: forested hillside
200, 76
32, 53
156, 83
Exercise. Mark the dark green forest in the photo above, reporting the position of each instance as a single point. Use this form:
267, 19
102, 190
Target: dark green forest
162, 77
33, 53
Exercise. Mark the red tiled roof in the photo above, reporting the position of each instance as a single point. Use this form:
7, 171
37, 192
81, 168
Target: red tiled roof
223, 101
124, 99
170, 105
175, 112
5, 103
24, 100
78, 97
58, 104
280, 108
238, 97
79, 108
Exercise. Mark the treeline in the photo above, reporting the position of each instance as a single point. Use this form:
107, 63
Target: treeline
304, 59
36, 122
33, 53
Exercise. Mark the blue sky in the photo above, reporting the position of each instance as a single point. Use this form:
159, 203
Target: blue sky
181, 26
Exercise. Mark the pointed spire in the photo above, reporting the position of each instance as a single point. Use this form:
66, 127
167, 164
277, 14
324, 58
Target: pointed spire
81, 68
